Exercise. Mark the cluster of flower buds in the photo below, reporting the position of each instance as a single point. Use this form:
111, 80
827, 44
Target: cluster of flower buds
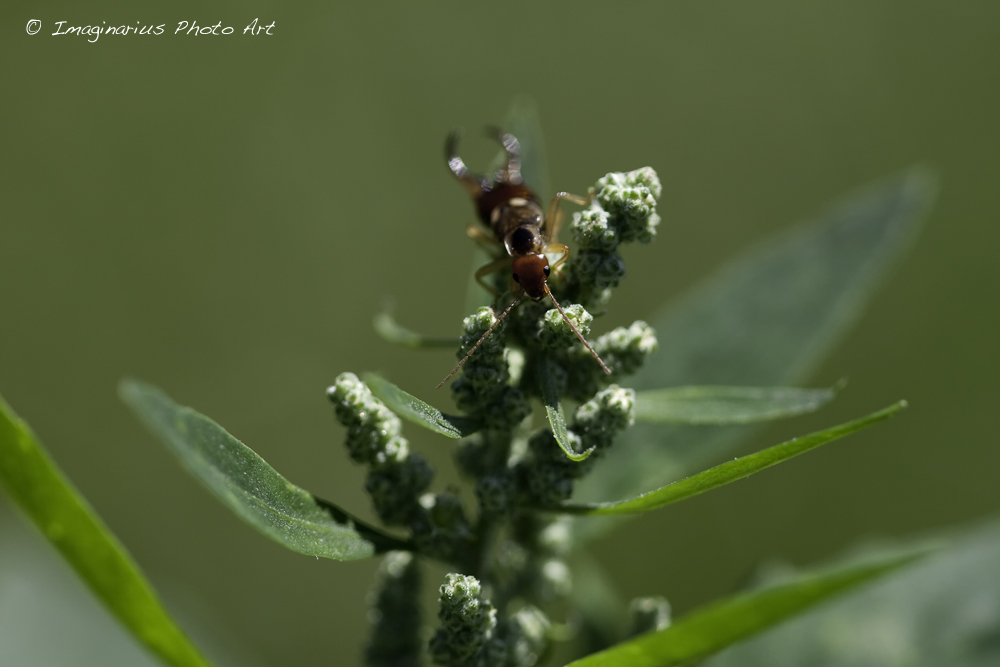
516, 472
396, 639
483, 390
548, 475
553, 332
468, 633
623, 211
397, 478
624, 350
471, 635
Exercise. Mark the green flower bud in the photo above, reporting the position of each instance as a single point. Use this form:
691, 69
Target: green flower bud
609, 412
592, 230
553, 331
548, 485
594, 270
497, 492
442, 531
625, 350
508, 410
373, 431
630, 200
468, 622
445, 510
395, 489
491, 350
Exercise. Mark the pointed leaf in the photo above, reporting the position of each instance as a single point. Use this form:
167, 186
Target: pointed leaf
727, 405
250, 487
731, 471
554, 411
710, 629
941, 612
766, 319
412, 409
389, 330
43, 493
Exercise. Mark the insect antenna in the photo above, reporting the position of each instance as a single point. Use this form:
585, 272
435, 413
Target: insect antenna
480, 342
607, 370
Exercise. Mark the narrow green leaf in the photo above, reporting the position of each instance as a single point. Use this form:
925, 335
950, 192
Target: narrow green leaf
40, 489
942, 612
767, 318
727, 405
554, 411
731, 471
250, 487
710, 629
385, 325
412, 409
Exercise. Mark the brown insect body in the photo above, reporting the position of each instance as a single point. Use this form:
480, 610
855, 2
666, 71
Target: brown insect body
521, 232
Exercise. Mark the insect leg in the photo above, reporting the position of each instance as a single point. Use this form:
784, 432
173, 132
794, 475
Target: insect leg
492, 267
473, 183
483, 238
558, 247
554, 217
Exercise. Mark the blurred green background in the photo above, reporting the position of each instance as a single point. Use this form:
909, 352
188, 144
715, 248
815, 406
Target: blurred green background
222, 216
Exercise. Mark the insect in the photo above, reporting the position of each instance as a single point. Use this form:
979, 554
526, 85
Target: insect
519, 233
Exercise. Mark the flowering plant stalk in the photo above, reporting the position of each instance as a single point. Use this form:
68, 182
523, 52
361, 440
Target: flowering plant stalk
513, 592
511, 555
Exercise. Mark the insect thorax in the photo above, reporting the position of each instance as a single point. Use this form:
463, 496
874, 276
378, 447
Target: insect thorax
525, 239
506, 207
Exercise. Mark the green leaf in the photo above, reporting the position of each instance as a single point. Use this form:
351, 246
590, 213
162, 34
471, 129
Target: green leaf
412, 409
250, 487
942, 612
40, 489
554, 411
731, 471
710, 629
765, 319
386, 326
727, 405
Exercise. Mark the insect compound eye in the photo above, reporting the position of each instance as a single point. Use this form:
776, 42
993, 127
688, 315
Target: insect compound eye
516, 279
546, 270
